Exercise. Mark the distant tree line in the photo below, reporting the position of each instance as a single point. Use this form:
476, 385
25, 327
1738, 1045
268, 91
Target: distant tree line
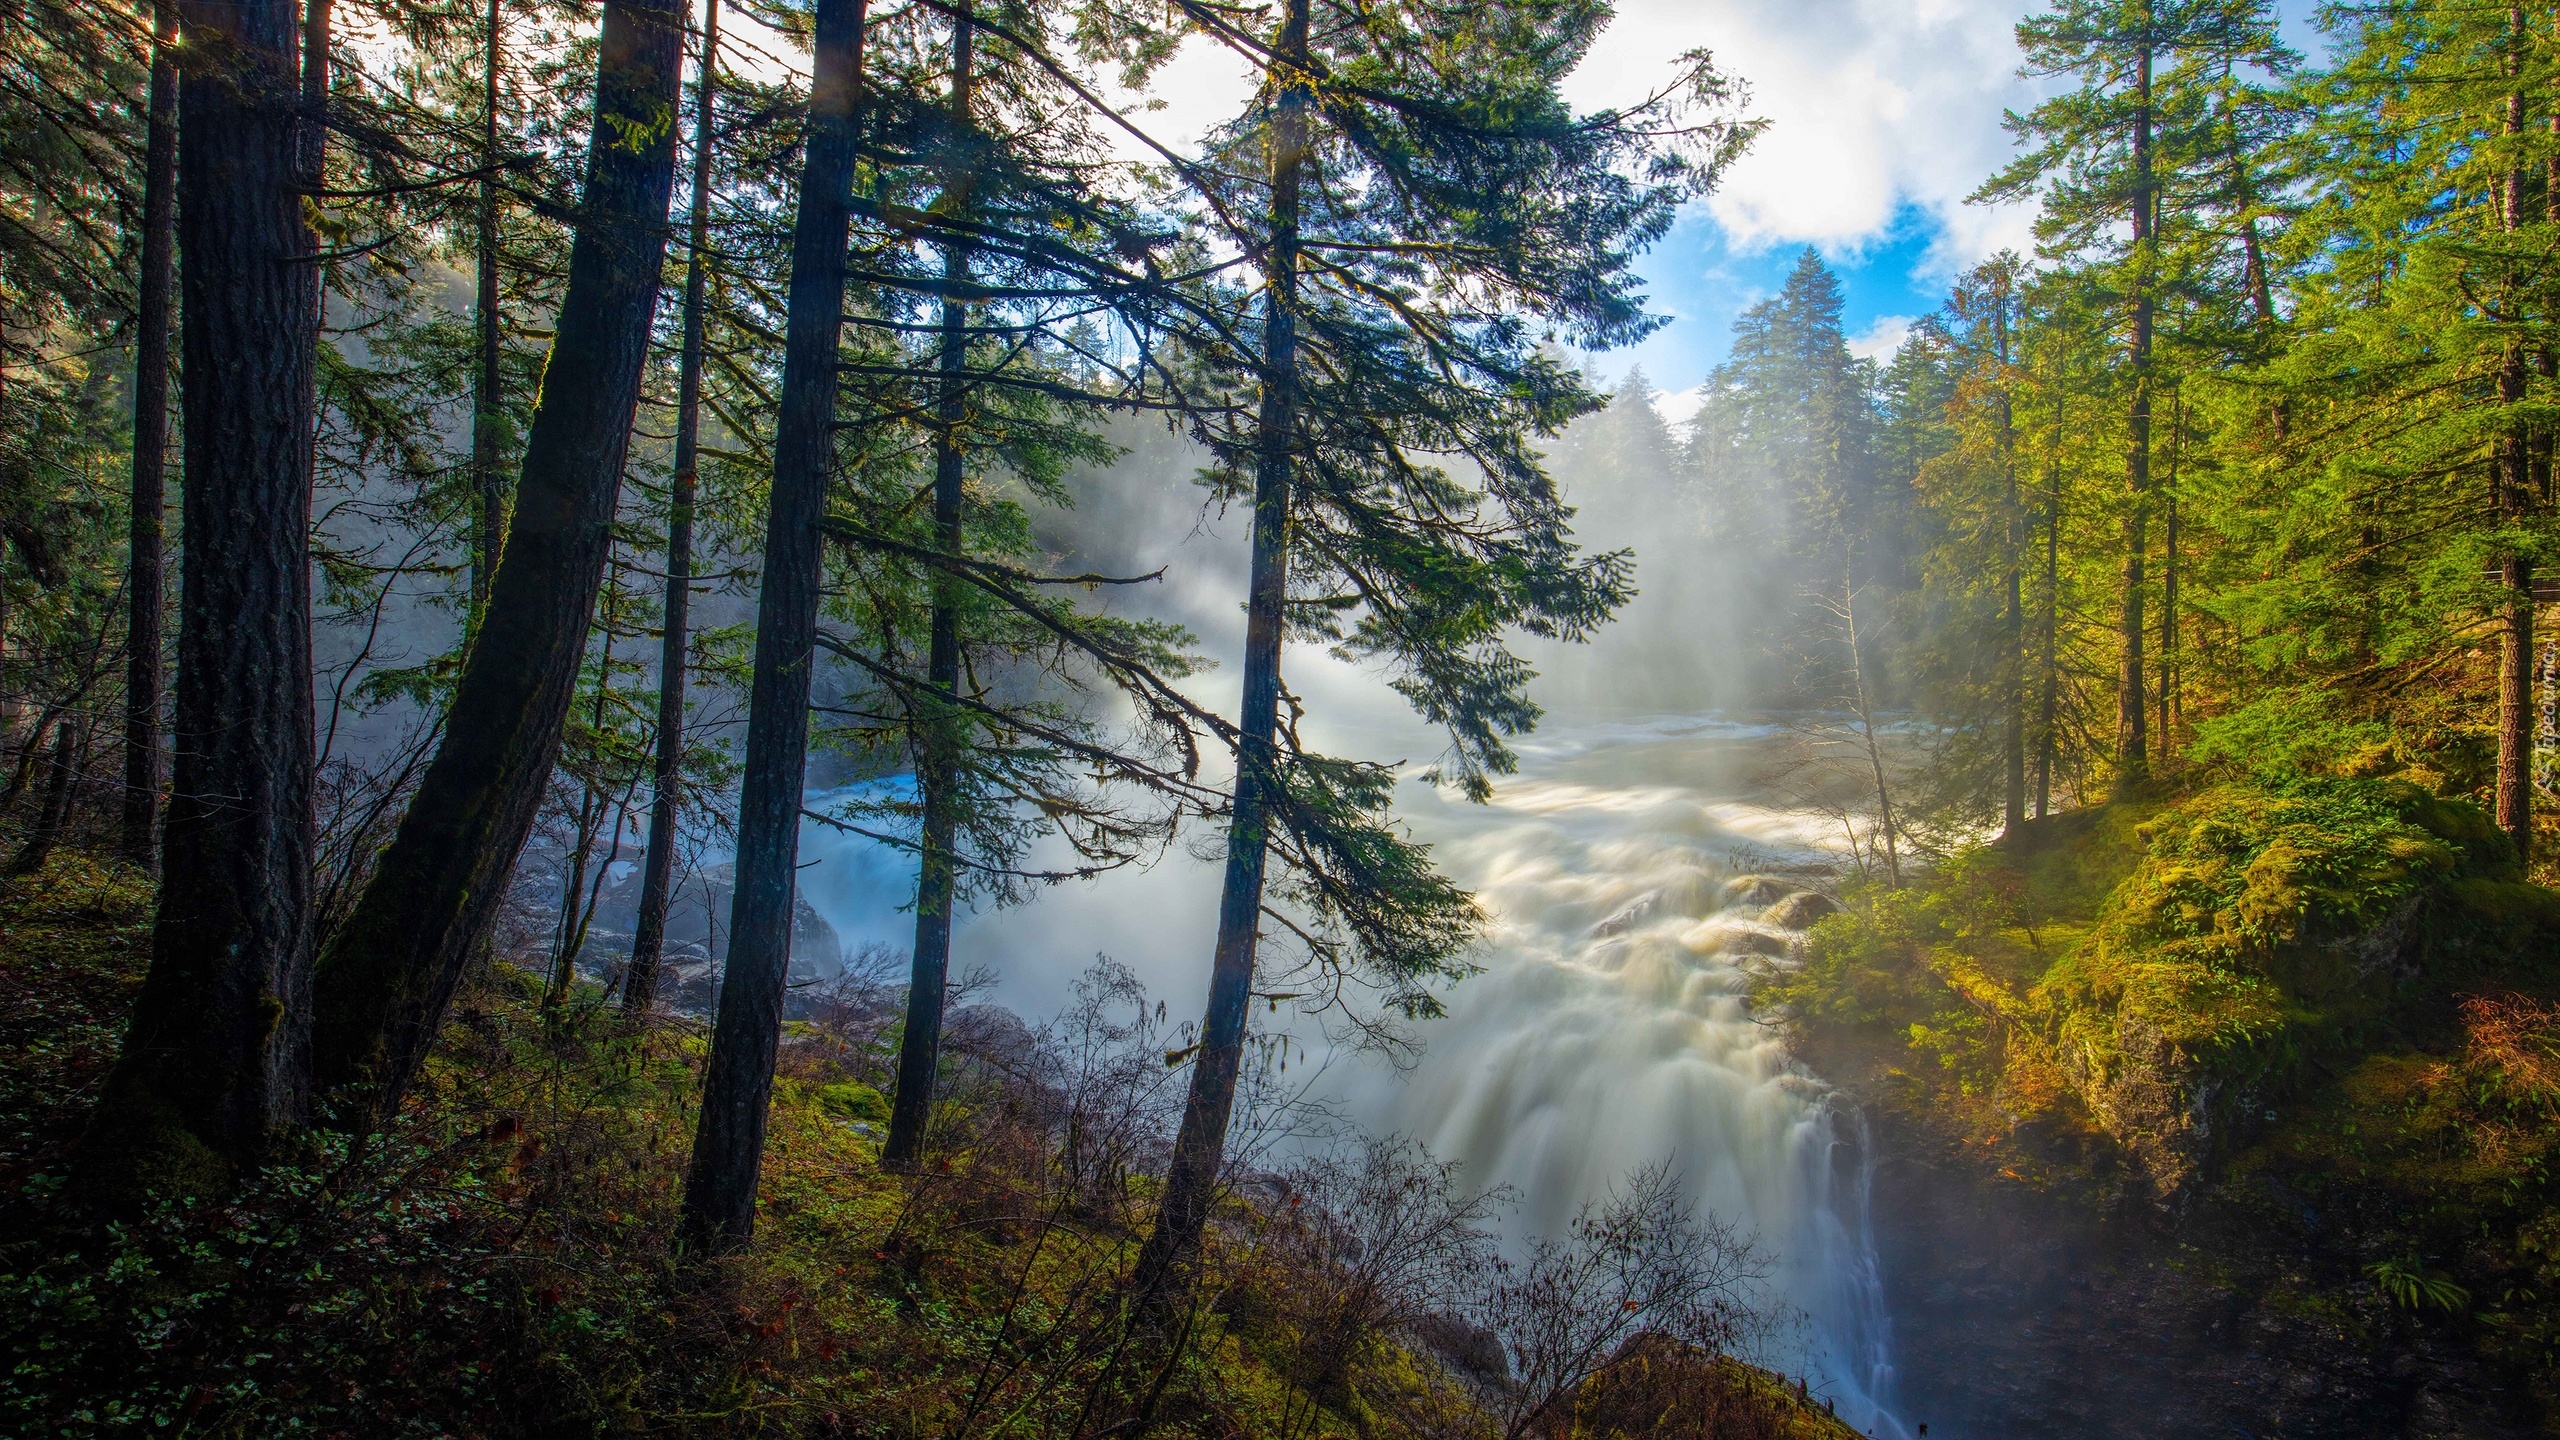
2247, 469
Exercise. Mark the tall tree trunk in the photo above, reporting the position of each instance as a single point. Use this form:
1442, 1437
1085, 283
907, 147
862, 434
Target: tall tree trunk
488, 483
666, 776
146, 585
389, 974
1200, 1147
2013, 800
2515, 571
215, 1059
2515, 630
2048, 708
313, 158
2168, 667
728, 1140
937, 758
2133, 757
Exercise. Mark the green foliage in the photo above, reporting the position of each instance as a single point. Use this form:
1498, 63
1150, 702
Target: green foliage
2161, 970
2411, 1286
2283, 732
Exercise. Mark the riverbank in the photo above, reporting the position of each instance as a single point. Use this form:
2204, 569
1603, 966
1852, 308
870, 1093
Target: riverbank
2223, 1113
498, 1264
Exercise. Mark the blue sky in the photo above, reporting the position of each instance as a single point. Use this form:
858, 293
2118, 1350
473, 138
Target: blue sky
1883, 116
1701, 279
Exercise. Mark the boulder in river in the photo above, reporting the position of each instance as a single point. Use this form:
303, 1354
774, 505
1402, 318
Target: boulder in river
1757, 889
1758, 942
1634, 913
1799, 910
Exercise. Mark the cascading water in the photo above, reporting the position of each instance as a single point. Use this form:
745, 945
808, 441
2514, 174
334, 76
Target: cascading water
1608, 1030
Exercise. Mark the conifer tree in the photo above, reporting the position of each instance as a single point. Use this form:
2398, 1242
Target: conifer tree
985, 366
2120, 165
728, 1147
666, 776
1786, 450
1396, 305
146, 579
2402, 489
215, 1059
389, 973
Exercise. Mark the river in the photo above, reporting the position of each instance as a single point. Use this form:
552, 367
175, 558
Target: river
1607, 1031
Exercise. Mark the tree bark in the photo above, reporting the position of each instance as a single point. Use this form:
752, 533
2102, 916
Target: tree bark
388, 976
215, 1059
2013, 799
1200, 1147
2133, 758
666, 777
2168, 666
937, 760
2048, 708
146, 584
2514, 503
737, 1088
571, 936
488, 483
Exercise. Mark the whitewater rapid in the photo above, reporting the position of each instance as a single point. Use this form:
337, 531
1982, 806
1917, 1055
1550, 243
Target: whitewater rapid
1609, 1028
1607, 1031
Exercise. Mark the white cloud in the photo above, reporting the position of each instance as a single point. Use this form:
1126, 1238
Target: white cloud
1872, 104
1881, 338
1677, 406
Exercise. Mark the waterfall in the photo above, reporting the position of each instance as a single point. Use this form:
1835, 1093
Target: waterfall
1609, 1029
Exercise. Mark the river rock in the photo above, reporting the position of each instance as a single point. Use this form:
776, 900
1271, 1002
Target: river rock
1799, 910
1756, 889
1759, 942
1636, 912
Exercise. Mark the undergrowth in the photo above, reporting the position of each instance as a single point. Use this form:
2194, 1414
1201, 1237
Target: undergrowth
497, 1263
2309, 1023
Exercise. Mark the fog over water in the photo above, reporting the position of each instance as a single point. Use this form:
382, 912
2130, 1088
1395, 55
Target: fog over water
1607, 1029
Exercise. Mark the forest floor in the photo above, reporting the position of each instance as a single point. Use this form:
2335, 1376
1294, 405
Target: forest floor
2113, 1201
498, 1264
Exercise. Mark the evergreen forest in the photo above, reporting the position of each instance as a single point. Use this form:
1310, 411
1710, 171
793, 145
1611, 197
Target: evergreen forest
566, 564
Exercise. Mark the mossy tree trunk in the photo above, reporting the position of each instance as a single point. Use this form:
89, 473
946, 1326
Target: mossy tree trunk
737, 1088
146, 582
215, 1058
387, 977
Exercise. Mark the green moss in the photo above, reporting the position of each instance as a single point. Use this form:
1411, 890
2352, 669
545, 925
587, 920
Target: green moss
853, 1100
2170, 967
